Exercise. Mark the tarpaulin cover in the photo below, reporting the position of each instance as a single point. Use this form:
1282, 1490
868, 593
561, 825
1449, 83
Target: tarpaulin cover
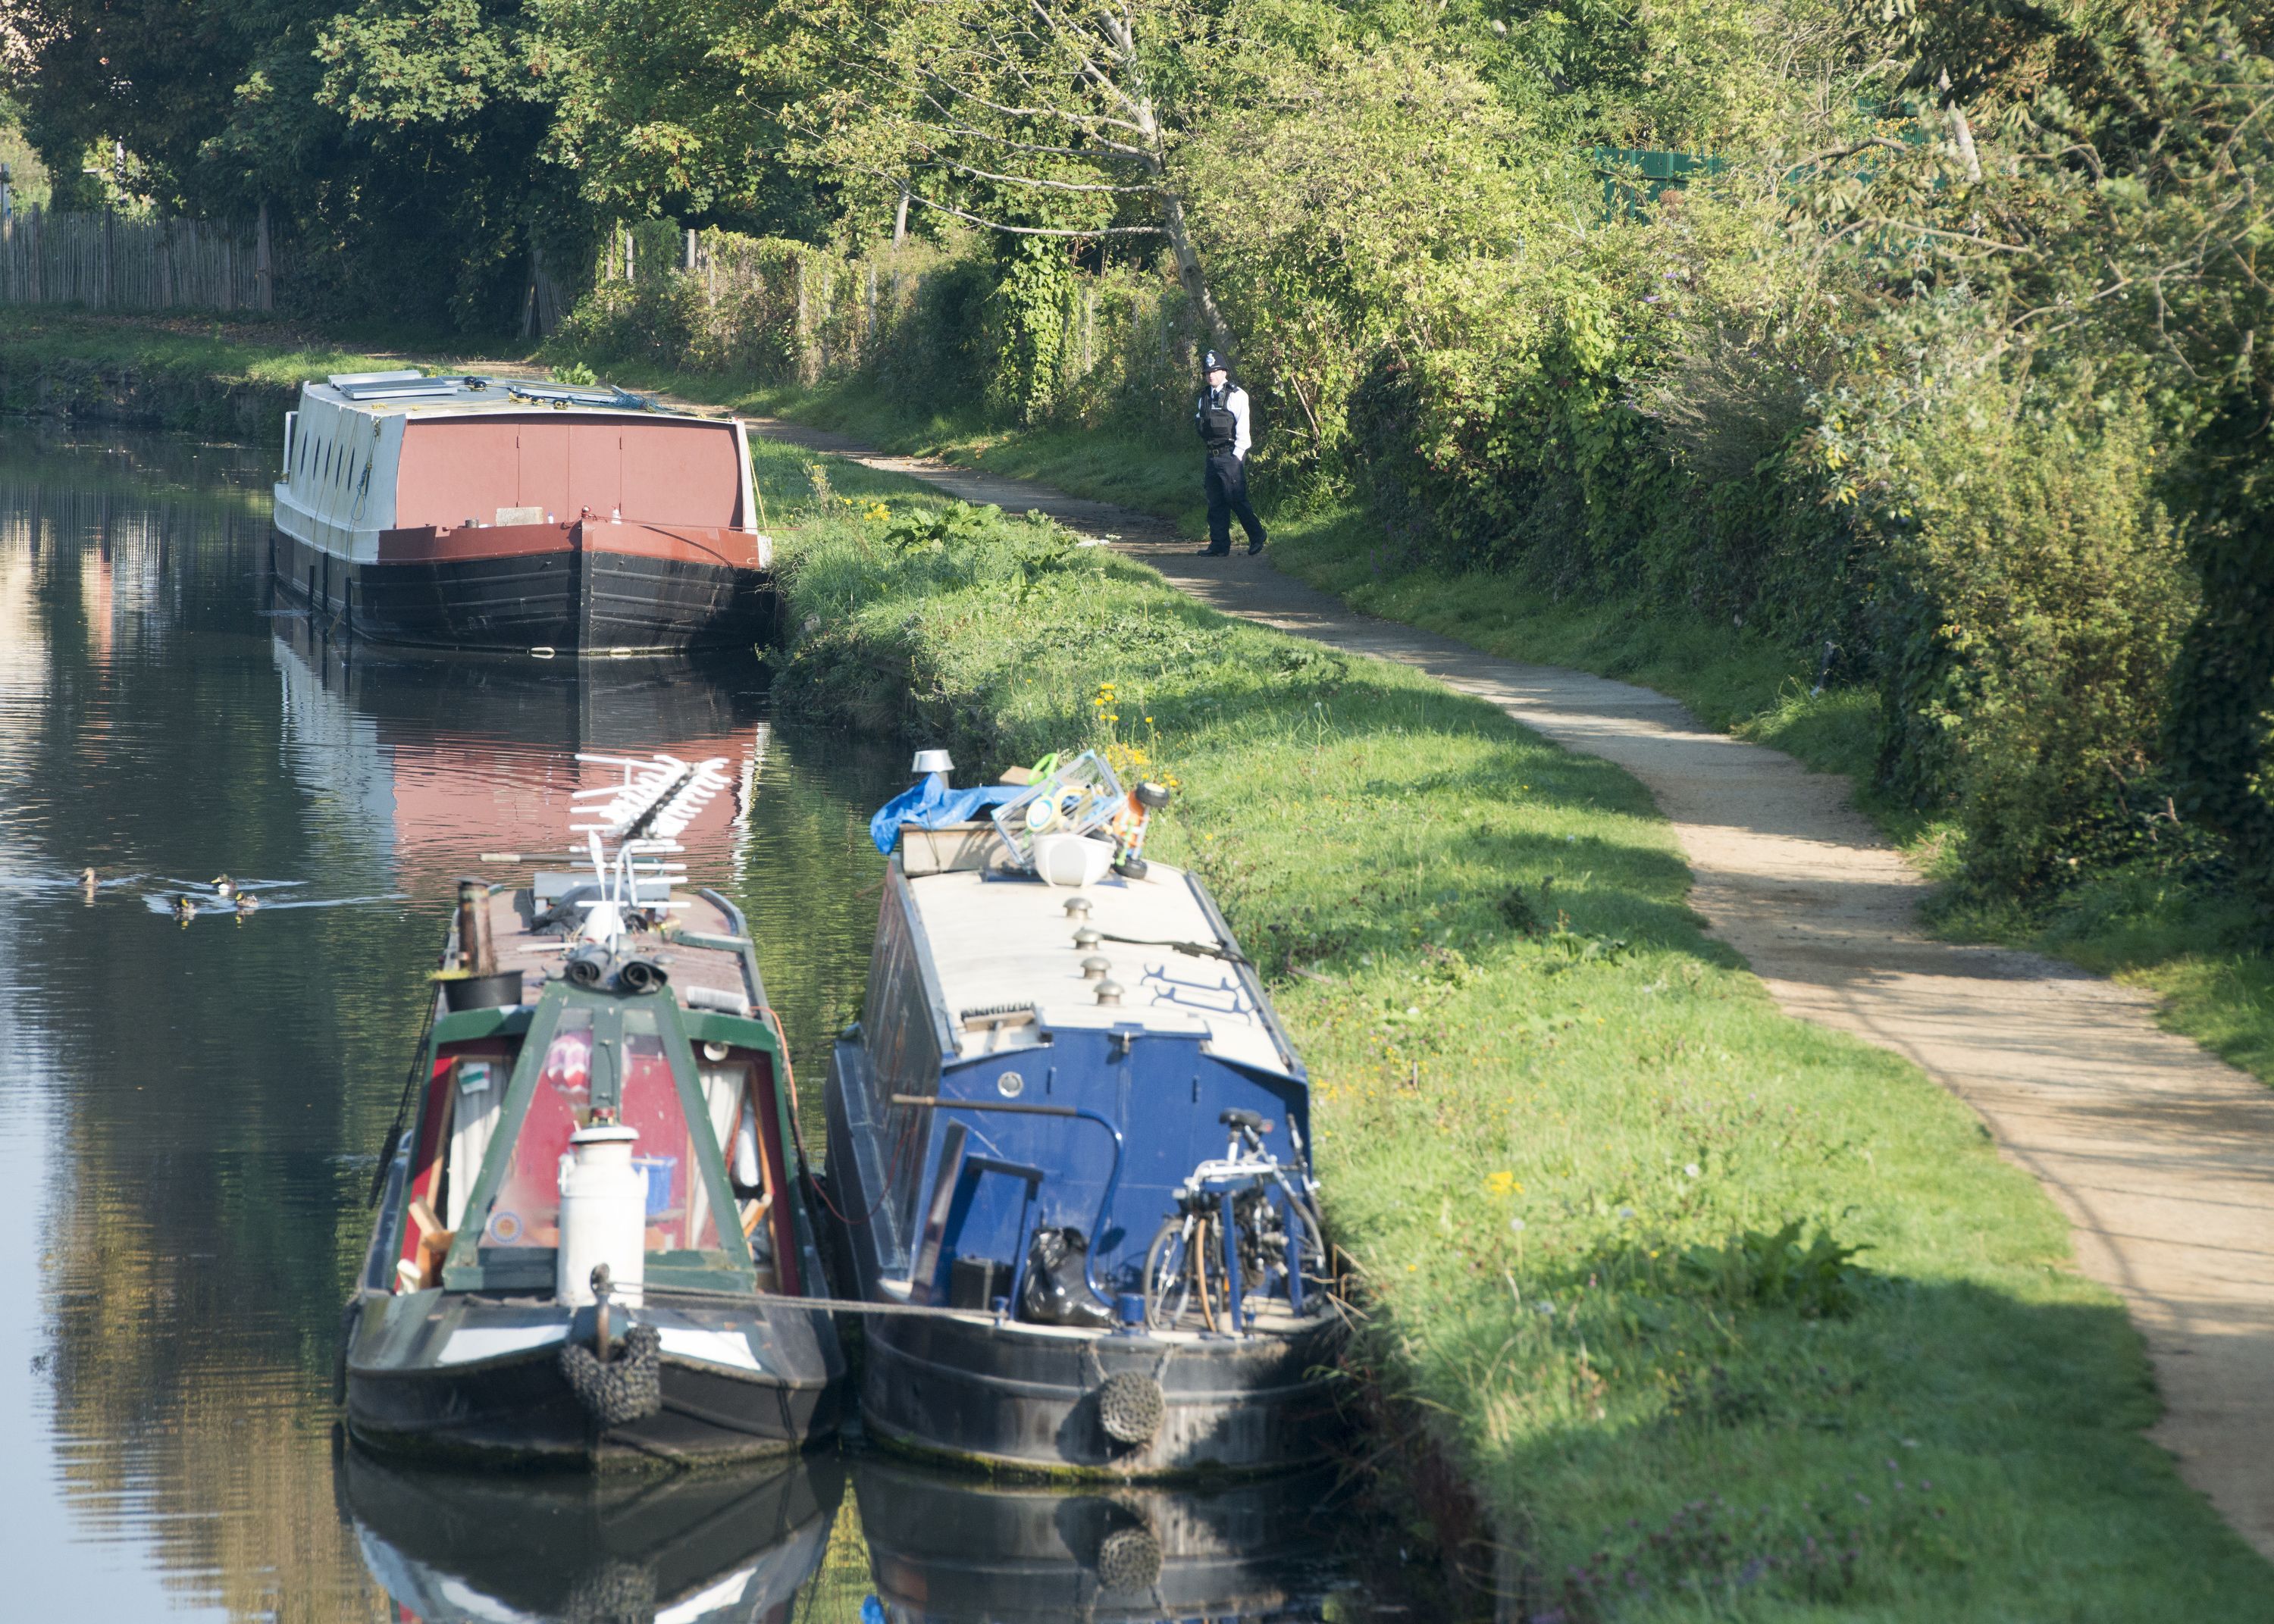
930, 804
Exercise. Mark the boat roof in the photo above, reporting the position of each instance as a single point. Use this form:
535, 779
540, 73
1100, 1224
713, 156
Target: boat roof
473, 394
1001, 943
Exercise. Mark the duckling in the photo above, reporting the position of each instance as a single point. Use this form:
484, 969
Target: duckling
223, 886
247, 902
88, 882
184, 909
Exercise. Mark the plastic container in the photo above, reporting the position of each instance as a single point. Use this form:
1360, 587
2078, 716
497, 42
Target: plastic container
1072, 799
603, 1216
1072, 860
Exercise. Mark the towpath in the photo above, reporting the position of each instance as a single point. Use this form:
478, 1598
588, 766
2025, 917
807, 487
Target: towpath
2161, 1155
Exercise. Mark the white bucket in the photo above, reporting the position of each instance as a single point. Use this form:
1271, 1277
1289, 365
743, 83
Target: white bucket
603, 1216
1072, 860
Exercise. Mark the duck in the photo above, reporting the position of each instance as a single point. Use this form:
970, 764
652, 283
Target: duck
184, 909
88, 882
223, 886
247, 902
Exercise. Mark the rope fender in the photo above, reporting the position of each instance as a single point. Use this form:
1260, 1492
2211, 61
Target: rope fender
628, 1387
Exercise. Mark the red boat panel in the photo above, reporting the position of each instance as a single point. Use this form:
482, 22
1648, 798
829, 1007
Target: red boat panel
673, 471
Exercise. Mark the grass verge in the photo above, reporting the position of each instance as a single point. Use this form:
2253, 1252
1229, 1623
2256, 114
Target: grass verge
1722, 1315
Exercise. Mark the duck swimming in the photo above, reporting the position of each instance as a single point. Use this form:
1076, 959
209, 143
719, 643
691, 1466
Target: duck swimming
88, 882
184, 909
247, 902
223, 886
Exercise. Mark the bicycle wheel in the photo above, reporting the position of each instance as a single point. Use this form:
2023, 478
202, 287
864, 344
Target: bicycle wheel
1167, 1281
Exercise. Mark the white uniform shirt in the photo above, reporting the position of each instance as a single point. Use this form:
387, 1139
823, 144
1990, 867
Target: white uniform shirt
1234, 401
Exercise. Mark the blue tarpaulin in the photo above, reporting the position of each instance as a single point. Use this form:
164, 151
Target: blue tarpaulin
930, 804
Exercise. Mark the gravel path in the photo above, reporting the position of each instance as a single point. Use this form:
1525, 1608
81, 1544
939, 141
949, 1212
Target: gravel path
2161, 1155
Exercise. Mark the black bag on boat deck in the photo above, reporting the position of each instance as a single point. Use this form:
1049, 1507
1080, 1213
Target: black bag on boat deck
1056, 1291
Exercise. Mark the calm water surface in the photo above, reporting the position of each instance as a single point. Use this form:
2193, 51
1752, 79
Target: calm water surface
192, 1110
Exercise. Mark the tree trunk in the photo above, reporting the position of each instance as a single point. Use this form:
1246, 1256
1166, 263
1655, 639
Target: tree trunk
1961, 132
1205, 314
901, 219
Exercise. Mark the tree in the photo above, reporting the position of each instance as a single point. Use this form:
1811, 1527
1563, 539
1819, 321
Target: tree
402, 138
1032, 118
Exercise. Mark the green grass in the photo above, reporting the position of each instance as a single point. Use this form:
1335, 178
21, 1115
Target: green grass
1550, 1108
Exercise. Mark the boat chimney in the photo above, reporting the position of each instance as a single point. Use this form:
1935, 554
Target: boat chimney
934, 764
477, 955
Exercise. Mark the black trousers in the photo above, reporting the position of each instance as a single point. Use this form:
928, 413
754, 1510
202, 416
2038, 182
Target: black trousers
1226, 483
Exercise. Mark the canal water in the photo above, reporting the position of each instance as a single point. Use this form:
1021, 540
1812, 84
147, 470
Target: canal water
193, 1109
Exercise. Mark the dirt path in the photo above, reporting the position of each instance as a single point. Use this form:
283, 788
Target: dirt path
2161, 1155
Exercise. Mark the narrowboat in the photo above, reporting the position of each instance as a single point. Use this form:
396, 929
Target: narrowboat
1069, 1162
732, 1546
515, 517
959, 1550
592, 1247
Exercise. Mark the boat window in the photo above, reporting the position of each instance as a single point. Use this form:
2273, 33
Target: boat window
728, 1099
527, 1210
480, 1092
679, 1216
902, 1040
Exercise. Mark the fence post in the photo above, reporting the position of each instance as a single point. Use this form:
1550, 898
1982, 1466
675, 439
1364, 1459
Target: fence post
264, 270
691, 250
804, 349
7, 198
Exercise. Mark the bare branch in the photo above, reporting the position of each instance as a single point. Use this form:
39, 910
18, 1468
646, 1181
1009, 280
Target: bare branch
1030, 180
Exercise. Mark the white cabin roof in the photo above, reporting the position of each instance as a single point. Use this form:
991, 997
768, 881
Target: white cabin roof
998, 940
473, 395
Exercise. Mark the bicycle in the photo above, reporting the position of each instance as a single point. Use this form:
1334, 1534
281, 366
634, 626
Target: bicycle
1236, 1188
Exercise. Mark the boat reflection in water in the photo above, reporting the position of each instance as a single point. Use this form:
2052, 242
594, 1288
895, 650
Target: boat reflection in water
947, 1549
695, 1548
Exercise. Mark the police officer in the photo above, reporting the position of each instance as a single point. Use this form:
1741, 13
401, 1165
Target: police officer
1222, 421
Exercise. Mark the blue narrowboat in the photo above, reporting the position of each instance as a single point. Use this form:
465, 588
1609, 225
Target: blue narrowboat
1069, 1161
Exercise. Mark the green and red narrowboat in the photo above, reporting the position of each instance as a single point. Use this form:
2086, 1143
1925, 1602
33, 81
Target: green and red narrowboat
594, 1247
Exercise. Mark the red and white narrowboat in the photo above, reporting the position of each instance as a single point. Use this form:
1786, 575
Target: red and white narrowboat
516, 516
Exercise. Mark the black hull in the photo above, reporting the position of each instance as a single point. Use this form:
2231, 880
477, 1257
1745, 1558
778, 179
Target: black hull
1011, 1398
517, 1409
584, 602
1017, 1399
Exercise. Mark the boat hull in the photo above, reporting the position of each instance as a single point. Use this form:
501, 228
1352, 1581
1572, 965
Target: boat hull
412, 1389
1016, 1398
578, 589
1019, 1398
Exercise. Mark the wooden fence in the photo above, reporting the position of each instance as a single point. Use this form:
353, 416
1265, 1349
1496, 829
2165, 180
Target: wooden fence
109, 261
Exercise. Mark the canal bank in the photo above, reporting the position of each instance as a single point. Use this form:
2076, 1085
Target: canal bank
1701, 1299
